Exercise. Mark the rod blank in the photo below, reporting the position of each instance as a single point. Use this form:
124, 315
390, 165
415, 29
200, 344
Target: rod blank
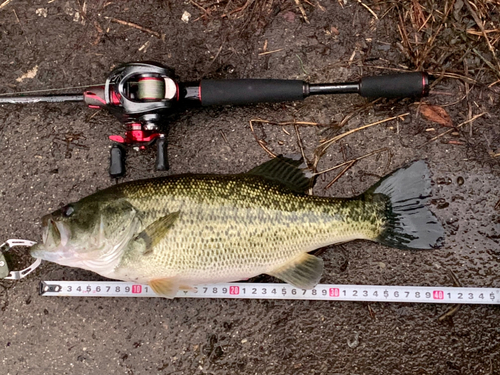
41, 99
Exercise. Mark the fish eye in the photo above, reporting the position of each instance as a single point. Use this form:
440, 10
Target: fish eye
68, 210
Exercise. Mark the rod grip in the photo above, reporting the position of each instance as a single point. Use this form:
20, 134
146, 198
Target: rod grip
248, 91
395, 85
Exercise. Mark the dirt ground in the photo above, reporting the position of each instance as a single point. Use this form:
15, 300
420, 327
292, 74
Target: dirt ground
55, 154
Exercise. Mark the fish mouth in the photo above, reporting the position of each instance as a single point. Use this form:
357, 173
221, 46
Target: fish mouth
55, 238
55, 233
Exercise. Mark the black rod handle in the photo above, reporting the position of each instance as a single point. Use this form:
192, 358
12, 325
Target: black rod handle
395, 85
248, 91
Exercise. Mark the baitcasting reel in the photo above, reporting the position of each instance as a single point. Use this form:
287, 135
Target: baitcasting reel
140, 95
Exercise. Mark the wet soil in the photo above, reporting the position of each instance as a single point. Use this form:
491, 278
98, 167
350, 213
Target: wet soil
55, 154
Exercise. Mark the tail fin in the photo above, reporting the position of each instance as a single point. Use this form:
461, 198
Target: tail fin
409, 223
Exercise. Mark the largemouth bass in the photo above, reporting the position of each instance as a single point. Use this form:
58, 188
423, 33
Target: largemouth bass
179, 231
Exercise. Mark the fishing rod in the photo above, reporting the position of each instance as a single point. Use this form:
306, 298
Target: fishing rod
242, 290
142, 94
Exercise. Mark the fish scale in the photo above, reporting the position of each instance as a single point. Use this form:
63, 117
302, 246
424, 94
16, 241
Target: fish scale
224, 225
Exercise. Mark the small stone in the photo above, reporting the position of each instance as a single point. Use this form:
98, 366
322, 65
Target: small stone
186, 16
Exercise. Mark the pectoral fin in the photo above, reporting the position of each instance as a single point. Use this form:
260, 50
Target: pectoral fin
302, 272
169, 287
157, 230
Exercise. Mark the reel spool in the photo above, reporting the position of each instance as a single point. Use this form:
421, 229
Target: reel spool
151, 88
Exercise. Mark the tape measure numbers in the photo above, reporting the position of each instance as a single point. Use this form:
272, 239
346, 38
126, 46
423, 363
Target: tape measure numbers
323, 292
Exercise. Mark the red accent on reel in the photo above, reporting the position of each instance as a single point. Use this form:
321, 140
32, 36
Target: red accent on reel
90, 96
115, 98
136, 135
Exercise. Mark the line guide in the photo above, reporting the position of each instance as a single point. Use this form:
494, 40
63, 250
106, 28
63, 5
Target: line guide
279, 291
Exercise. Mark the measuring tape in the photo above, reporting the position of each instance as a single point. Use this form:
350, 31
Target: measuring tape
322, 292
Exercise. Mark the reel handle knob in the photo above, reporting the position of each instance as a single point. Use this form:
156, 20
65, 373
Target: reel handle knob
117, 161
161, 153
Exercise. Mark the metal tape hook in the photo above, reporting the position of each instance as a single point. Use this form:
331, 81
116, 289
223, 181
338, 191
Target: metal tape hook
16, 275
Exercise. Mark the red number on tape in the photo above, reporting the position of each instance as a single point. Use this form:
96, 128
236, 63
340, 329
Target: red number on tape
438, 294
334, 292
136, 288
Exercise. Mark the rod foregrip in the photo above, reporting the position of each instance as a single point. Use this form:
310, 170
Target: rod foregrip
395, 85
248, 91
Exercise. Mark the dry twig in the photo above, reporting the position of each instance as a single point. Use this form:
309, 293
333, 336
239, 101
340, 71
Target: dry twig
346, 168
269, 52
284, 123
451, 130
481, 26
355, 160
207, 13
368, 8
261, 142
136, 26
5, 3
301, 8
324, 145
299, 142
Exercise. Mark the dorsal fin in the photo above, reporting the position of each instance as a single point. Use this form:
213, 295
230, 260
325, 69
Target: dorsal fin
290, 171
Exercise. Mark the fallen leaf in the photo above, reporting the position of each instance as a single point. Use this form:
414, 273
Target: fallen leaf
29, 74
436, 114
289, 16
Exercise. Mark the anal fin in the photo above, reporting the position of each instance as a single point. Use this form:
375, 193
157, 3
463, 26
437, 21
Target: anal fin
302, 272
